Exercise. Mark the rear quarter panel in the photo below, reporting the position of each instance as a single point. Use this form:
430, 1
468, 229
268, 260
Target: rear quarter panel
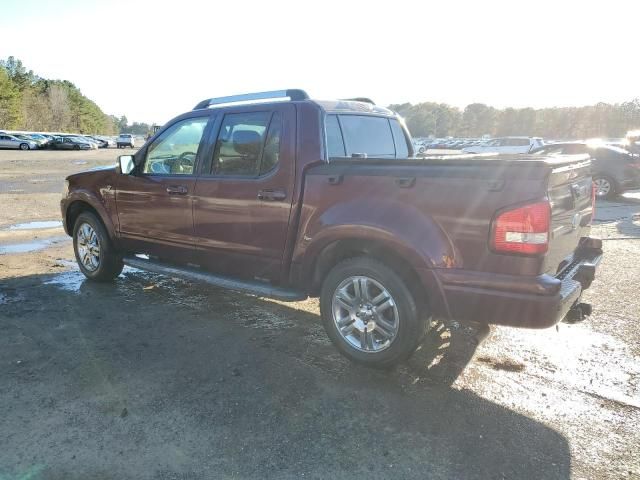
441, 221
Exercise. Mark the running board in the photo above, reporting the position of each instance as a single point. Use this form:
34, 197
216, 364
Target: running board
255, 288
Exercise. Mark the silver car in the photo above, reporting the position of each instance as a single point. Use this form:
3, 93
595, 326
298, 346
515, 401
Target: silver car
9, 141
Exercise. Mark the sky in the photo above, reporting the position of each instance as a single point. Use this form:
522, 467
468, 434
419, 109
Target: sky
152, 60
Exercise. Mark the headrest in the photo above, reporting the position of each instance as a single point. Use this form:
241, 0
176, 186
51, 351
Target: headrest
246, 142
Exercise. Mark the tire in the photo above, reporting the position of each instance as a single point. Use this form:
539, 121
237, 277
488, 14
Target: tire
397, 328
108, 264
605, 187
24, 146
76, 147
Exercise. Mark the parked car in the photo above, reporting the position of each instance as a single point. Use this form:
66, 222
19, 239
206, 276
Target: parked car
126, 140
614, 170
29, 138
419, 148
289, 199
40, 139
507, 145
69, 143
12, 141
98, 141
109, 141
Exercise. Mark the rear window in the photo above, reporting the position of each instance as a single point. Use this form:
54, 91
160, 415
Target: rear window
516, 142
125, 135
349, 135
367, 135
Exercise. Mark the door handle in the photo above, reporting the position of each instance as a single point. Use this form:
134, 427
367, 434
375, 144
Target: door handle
406, 182
272, 195
177, 190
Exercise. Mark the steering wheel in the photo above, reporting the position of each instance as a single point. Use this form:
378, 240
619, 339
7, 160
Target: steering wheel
184, 161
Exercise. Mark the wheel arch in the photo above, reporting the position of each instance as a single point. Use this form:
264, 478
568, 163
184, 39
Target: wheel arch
79, 206
340, 250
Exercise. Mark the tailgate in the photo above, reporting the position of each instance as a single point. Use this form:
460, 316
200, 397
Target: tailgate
570, 194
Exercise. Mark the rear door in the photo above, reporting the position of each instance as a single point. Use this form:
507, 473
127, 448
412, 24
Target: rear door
244, 194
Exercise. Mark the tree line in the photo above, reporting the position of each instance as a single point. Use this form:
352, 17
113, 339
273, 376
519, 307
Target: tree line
477, 119
32, 103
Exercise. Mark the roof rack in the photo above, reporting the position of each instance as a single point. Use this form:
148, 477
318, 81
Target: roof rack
360, 99
292, 94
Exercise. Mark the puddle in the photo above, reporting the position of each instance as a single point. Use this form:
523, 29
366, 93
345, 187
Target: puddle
35, 225
576, 359
68, 281
32, 246
72, 280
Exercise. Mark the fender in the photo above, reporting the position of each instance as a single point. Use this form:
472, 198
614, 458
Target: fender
398, 226
103, 203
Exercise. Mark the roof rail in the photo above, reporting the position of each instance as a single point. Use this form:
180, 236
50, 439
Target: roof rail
292, 94
360, 99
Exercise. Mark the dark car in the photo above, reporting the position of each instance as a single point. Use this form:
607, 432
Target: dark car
298, 198
69, 143
614, 169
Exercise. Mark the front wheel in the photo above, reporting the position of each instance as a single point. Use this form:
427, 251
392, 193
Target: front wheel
24, 146
370, 314
604, 186
95, 254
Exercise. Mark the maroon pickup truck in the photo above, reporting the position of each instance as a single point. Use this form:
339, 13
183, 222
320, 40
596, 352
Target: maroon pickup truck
286, 197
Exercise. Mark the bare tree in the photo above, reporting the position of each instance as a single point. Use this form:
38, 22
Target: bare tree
60, 111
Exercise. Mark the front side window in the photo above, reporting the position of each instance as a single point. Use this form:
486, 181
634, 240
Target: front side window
367, 135
240, 144
174, 152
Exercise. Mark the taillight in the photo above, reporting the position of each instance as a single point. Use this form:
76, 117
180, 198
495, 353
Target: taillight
523, 230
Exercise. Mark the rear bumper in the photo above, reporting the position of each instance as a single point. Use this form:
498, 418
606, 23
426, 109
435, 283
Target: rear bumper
527, 302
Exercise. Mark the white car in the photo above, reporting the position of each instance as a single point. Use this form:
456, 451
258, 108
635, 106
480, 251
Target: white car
419, 147
507, 145
126, 140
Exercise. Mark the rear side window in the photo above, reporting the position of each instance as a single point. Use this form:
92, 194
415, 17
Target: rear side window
271, 154
367, 135
248, 144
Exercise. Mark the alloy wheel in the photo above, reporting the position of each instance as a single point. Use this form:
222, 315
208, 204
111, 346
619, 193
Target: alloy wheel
365, 314
88, 247
603, 187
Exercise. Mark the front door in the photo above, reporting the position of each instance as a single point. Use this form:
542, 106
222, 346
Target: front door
244, 194
155, 202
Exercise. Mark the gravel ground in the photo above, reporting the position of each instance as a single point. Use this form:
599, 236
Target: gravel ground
151, 377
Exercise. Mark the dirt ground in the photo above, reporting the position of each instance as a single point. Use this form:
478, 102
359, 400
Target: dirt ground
154, 378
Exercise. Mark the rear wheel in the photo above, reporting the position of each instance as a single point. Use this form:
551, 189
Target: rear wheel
605, 187
370, 314
94, 251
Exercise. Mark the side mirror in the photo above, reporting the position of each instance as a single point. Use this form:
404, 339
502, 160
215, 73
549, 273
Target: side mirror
126, 164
